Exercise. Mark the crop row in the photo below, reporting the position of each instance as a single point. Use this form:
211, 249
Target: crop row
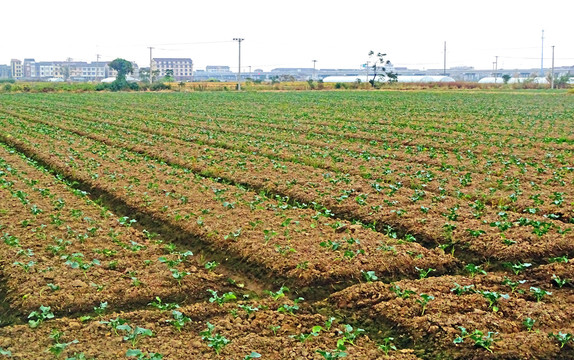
293, 242
537, 117
487, 316
471, 225
529, 187
274, 328
394, 142
61, 250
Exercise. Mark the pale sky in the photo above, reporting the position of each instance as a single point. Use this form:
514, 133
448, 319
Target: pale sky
338, 34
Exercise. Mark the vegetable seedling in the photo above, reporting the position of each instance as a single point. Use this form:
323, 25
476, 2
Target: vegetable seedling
114, 323
529, 323
387, 345
424, 300
279, 294
369, 276
179, 320
480, 340
539, 293
45, 313
562, 338
215, 341
137, 353
493, 297
132, 334
220, 300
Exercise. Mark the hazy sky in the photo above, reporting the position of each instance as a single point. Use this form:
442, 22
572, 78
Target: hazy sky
338, 34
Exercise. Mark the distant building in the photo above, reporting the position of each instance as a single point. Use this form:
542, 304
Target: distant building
65, 70
29, 68
217, 69
16, 68
5, 72
182, 67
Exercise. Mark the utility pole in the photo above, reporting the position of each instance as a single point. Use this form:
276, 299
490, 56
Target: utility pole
314, 62
239, 40
444, 70
496, 69
97, 65
552, 76
150, 64
250, 71
542, 56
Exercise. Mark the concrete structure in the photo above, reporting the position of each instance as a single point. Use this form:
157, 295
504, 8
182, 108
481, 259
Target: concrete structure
68, 70
5, 72
16, 68
182, 67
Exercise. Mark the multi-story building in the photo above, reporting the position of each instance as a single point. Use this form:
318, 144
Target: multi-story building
16, 68
5, 72
182, 67
67, 70
217, 69
29, 68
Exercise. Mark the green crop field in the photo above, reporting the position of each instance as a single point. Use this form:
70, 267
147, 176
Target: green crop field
287, 225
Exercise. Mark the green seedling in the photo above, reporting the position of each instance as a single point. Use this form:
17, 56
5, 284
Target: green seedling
274, 329
38, 317
480, 340
26, 266
5, 352
215, 341
387, 345
158, 304
279, 294
170, 263
138, 354
253, 355
211, 265
179, 320
513, 284
303, 337
76, 261
369, 276
562, 338
403, 294
331, 355
178, 275
529, 323
459, 290
558, 259
101, 309
474, 270
58, 348
11, 240
424, 273
133, 334
350, 334
329, 323
290, 309
518, 267
560, 282
53, 287
424, 300
114, 323
220, 300
493, 297
126, 221
539, 293
248, 309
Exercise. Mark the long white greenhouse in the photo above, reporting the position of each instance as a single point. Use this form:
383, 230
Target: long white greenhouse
401, 79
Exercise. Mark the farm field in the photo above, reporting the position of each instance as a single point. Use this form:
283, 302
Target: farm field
296, 225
